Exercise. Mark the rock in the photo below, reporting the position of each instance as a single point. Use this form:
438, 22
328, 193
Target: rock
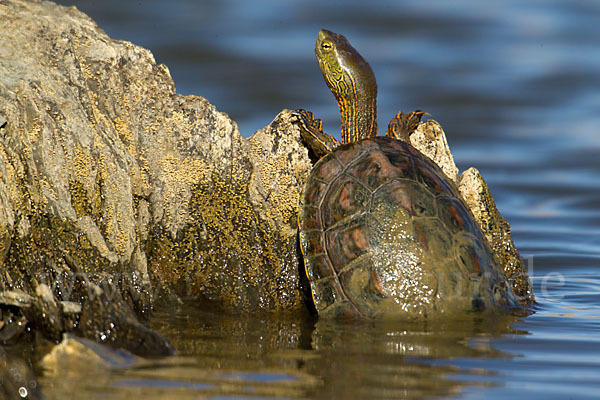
238, 246
477, 195
108, 176
15, 298
77, 354
429, 139
106, 312
12, 327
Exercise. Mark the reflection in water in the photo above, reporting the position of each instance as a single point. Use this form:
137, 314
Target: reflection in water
394, 359
17, 380
242, 355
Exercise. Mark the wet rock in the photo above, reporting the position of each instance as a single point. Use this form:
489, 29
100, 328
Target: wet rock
15, 298
12, 327
237, 247
44, 312
74, 353
103, 314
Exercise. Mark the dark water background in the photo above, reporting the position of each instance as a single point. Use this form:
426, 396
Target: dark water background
516, 86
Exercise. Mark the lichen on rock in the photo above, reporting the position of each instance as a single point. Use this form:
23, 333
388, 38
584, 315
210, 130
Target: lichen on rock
108, 176
238, 249
497, 231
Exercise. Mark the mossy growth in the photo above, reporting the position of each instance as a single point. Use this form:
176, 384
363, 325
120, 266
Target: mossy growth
227, 254
81, 202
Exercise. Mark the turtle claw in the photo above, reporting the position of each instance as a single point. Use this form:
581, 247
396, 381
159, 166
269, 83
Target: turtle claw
308, 122
404, 124
311, 130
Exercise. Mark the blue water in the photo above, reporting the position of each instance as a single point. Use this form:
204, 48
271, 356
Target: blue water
516, 86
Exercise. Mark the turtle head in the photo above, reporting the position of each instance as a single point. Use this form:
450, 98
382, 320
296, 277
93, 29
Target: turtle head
352, 82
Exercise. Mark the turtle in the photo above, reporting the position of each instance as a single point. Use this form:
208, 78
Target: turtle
383, 231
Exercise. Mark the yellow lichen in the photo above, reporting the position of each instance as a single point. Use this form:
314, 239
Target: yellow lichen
227, 254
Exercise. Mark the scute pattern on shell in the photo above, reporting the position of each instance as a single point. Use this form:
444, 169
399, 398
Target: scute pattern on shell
384, 232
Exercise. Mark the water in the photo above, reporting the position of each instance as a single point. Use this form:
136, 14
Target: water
515, 84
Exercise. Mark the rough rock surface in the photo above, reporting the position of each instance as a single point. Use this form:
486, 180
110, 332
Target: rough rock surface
113, 186
496, 229
237, 246
429, 139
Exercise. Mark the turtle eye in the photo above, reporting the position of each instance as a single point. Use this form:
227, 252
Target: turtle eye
326, 45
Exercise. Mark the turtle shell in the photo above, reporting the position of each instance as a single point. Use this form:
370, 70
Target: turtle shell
385, 232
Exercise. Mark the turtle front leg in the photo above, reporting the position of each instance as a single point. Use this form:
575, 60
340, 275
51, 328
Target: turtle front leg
404, 124
311, 130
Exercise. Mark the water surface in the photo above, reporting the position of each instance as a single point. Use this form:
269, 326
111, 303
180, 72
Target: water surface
516, 86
